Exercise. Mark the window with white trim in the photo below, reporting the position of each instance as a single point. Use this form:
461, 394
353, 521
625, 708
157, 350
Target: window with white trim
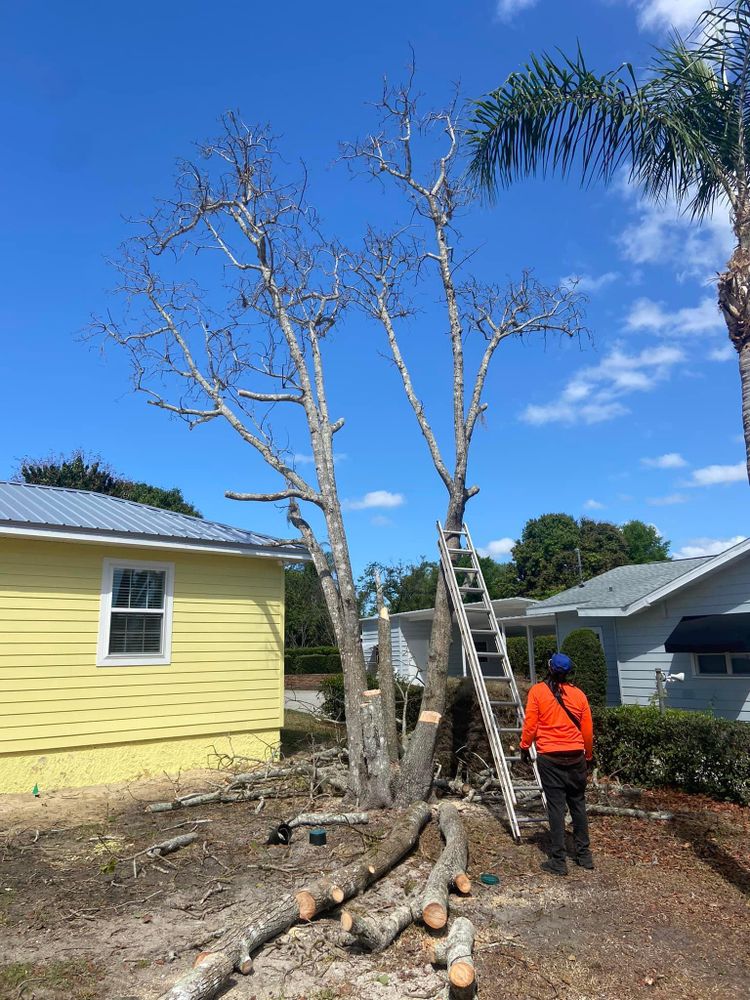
135, 626
722, 664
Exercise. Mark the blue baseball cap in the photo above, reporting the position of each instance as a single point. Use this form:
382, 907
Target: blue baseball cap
560, 663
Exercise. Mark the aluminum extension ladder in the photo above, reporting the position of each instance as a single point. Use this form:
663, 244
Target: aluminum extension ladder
463, 577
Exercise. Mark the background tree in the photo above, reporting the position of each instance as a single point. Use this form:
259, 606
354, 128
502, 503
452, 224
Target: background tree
306, 619
81, 472
406, 586
478, 318
683, 133
644, 543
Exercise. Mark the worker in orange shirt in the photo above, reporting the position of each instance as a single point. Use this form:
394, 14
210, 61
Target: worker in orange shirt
558, 722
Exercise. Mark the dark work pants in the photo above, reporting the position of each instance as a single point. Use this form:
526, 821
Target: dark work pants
564, 784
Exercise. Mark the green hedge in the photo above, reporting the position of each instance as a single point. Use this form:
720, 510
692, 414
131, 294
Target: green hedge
692, 751
312, 660
590, 674
332, 689
518, 650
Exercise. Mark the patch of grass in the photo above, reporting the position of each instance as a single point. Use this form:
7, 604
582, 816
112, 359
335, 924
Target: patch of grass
301, 729
68, 979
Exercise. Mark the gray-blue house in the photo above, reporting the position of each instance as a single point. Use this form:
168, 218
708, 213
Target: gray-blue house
689, 616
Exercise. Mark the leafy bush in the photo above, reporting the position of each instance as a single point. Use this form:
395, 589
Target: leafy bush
332, 689
585, 650
312, 660
518, 650
692, 751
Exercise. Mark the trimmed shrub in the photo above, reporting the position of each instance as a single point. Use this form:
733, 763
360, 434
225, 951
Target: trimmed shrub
692, 751
585, 650
312, 660
332, 689
518, 650
316, 663
333, 663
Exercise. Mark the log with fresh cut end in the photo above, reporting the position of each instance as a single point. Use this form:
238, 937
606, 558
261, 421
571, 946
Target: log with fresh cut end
215, 967
450, 868
455, 952
376, 932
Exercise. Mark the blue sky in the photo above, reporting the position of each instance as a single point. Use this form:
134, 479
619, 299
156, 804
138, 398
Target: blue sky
97, 101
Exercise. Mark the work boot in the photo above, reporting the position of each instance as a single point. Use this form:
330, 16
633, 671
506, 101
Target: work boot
585, 861
554, 867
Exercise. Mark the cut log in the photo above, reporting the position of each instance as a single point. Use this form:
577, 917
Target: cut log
450, 868
376, 933
597, 810
329, 819
455, 952
376, 757
281, 914
170, 845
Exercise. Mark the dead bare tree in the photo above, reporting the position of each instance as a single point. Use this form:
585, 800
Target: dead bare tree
250, 348
387, 270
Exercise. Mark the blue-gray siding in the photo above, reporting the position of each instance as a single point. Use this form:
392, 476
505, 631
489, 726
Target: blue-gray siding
640, 642
568, 621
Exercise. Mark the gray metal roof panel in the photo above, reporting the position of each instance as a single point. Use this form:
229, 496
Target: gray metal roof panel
621, 587
51, 507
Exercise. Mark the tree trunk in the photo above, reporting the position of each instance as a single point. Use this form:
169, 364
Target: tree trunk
214, 968
734, 302
377, 761
450, 868
386, 679
417, 766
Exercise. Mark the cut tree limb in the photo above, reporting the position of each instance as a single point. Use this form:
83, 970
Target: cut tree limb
329, 819
170, 845
455, 952
450, 868
281, 914
597, 810
376, 933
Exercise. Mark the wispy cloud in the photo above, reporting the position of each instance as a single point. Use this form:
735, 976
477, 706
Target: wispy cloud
718, 475
376, 499
667, 501
593, 505
649, 316
588, 283
594, 394
301, 458
707, 546
672, 460
665, 14
381, 521
724, 353
498, 548
508, 9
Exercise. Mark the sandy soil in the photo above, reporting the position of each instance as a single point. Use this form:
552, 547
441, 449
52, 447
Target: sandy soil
665, 913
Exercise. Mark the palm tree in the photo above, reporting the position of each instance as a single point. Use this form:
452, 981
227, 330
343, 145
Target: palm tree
683, 133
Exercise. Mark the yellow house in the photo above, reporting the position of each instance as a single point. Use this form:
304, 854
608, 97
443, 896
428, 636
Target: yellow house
133, 640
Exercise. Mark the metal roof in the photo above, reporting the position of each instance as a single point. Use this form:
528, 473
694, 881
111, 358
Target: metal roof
58, 509
623, 586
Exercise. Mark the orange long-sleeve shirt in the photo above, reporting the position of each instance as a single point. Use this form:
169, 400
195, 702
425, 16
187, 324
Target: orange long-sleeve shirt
549, 727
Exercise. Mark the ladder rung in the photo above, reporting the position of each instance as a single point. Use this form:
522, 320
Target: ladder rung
504, 703
525, 820
470, 590
509, 729
513, 757
496, 677
527, 788
488, 652
483, 631
463, 552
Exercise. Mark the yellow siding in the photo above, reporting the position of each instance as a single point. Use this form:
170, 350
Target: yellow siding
225, 675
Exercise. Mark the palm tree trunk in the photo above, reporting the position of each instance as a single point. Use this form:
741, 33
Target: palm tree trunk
734, 302
745, 383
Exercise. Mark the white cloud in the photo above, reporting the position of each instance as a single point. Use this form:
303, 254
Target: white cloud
661, 234
498, 548
588, 283
380, 521
667, 501
672, 460
660, 14
707, 547
593, 395
593, 505
652, 317
717, 475
724, 353
375, 499
508, 9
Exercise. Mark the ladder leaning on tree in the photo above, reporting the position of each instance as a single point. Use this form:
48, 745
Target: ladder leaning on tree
464, 579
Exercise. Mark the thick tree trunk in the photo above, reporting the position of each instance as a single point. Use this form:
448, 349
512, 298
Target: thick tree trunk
734, 302
386, 679
377, 761
214, 968
416, 775
450, 868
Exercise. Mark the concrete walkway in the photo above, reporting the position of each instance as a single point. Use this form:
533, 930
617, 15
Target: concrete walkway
303, 701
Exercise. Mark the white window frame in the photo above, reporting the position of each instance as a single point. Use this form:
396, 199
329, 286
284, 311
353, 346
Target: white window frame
106, 659
716, 677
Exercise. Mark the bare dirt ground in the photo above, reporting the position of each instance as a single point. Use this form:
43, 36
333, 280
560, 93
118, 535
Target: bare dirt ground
664, 914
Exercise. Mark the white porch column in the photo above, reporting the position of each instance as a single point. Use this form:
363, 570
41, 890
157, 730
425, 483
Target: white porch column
530, 644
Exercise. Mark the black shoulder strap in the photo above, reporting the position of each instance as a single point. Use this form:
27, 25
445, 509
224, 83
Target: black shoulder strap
559, 699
